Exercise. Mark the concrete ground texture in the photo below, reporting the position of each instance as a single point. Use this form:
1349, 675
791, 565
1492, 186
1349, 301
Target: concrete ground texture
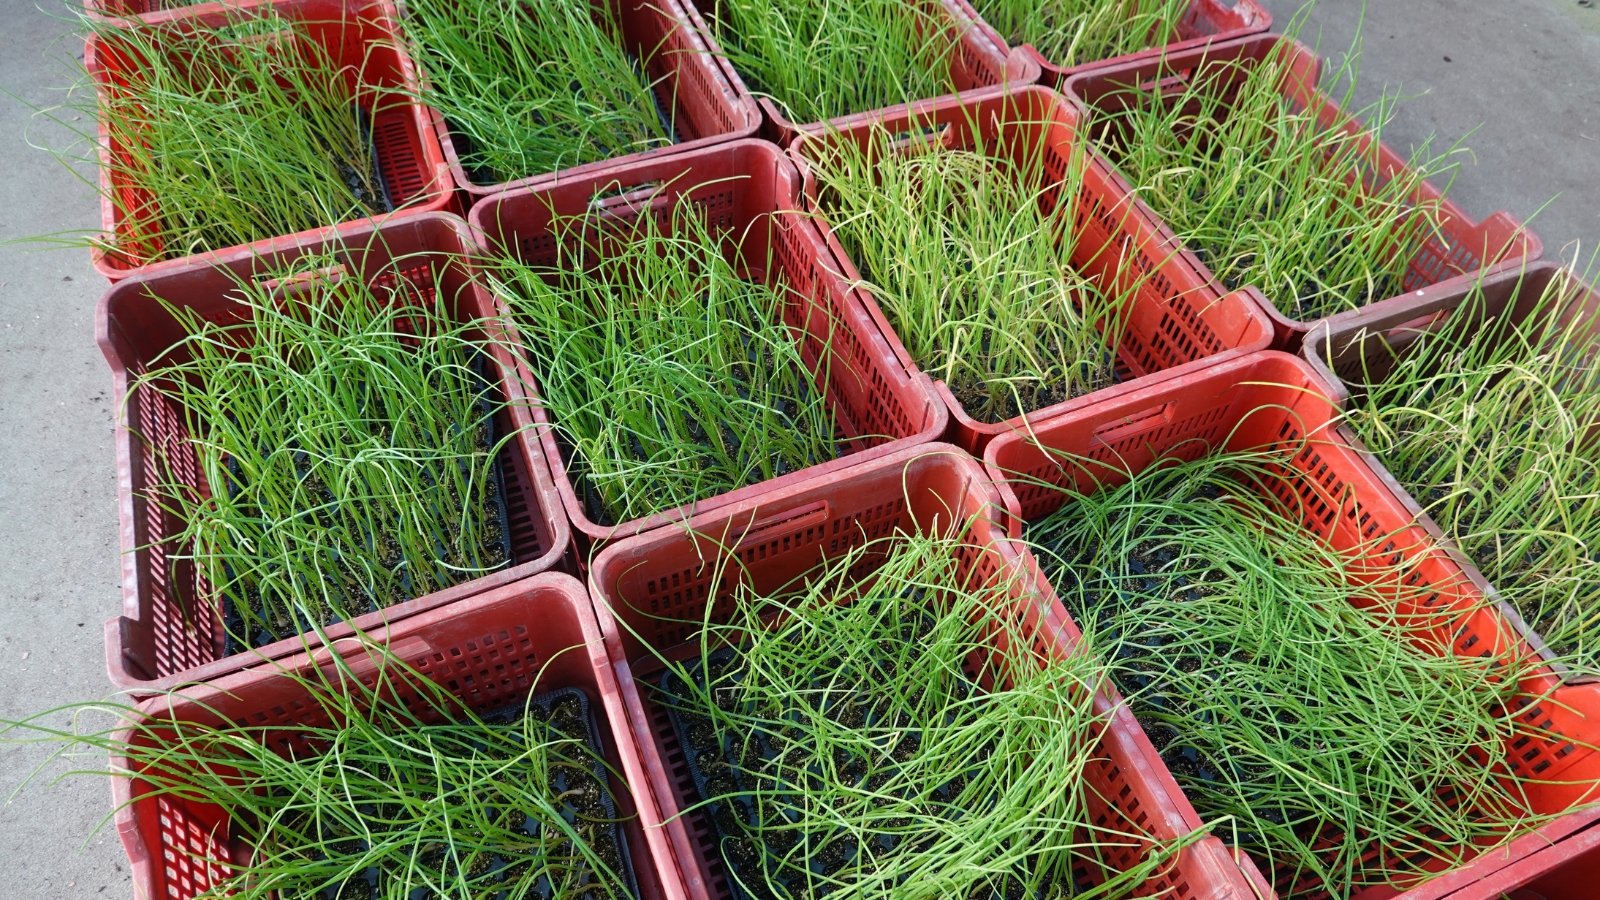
1524, 73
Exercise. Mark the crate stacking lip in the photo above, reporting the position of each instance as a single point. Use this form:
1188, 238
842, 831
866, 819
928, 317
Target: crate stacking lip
1367, 342
1467, 246
169, 633
1272, 400
1177, 321
748, 189
360, 37
1203, 22
537, 636
651, 592
978, 62
692, 90
1565, 870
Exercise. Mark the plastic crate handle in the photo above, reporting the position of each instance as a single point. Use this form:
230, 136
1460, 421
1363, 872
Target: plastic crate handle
1130, 426
628, 204
295, 285
780, 525
1161, 86
921, 140
1412, 330
362, 664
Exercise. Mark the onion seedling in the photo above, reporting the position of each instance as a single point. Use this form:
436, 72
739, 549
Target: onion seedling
819, 59
1287, 684
666, 369
345, 436
1492, 426
1069, 32
973, 273
426, 799
1269, 197
532, 87
896, 737
223, 136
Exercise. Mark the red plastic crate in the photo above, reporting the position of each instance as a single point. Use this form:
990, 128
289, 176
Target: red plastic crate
658, 585
1204, 22
1467, 246
168, 633
979, 62
748, 189
681, 62
529, 637
1177, 321
359, 36
1273, 400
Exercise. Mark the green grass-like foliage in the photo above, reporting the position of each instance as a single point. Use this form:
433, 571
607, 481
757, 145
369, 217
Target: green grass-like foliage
665, 368
972, 273
1492, 426
534, 87
1236, 636
345, 436
872, 743
389, 801
1069, 32
230, 135
1268, 197
819, 59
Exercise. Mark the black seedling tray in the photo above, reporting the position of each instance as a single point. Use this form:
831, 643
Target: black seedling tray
233, 622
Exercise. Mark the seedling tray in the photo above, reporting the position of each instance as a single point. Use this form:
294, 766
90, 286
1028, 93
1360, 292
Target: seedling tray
1466, 246
490, 651
693, 92
652, 592
1176, 323
1204, 22
979, 62
1273, 400
359, 36
749, 191
169, 632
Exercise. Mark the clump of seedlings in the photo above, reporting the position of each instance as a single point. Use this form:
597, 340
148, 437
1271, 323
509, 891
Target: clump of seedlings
819, 59
1267, 196
665, 367
223, 136
867, 737
1069, 32
1491, 425
530, 88
1347, 755
970, 257
345, 439
422, 800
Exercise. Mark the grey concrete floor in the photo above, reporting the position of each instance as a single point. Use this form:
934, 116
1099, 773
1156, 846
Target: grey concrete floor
1525, 73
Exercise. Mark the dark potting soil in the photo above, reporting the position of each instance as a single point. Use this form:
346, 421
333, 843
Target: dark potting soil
726, 768
276, 623
578, 792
